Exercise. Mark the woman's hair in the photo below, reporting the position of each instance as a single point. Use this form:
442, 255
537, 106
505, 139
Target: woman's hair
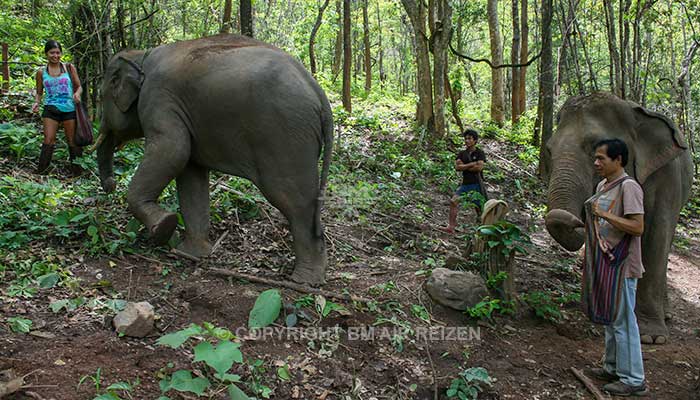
52, 44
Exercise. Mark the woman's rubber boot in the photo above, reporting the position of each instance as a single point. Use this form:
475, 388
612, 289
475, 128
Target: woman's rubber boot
45, 158
75, 152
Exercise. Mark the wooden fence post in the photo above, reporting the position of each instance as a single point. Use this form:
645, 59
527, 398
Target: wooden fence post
5, 69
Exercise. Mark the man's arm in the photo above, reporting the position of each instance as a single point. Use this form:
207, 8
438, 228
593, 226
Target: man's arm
630, 223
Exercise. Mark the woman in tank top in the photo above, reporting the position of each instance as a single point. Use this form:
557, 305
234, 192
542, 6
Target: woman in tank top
62, 86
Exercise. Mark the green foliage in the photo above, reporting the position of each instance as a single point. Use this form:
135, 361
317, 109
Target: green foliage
19, 324
544, 305
485, 308
20, 139
494, 281
219, 357
469, 384
504, 235
266, 309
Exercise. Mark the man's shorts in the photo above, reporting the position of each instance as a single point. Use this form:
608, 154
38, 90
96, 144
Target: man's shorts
52, 112
476, 198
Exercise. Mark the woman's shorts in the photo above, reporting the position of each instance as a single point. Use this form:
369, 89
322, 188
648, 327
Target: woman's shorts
52, 112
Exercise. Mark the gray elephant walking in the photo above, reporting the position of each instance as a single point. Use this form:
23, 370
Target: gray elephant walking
226, 103
659, 160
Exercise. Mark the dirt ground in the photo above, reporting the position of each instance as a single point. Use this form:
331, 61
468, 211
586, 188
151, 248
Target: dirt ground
528, 357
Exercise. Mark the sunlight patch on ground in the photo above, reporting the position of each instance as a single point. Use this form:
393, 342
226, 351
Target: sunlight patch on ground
684, 276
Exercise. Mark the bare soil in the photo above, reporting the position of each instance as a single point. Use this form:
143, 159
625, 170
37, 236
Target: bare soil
529, 357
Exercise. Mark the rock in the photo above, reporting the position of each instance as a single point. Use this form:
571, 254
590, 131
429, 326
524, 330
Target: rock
136, 320
456, 289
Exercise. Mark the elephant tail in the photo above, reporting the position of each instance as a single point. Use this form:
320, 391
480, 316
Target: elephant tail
327, 134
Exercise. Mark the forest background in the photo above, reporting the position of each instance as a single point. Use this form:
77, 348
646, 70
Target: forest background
488, 64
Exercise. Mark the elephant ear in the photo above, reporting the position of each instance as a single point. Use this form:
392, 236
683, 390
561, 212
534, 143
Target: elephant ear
125, 83
658, 142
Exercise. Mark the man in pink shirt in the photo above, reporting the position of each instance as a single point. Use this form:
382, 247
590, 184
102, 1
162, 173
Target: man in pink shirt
618, 214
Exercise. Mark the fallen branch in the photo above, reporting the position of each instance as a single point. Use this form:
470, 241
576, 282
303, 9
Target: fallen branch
589, 385
289, 285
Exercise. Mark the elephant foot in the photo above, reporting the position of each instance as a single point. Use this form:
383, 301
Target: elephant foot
163, 229
649, 339
652, 332
195, 247
308, 276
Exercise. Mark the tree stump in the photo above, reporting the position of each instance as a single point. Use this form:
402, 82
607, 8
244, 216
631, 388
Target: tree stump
495, 260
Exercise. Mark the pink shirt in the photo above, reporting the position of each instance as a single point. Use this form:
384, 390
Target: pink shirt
623, 200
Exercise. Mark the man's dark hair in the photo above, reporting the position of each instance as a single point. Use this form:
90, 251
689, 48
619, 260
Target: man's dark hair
614, 148
471, 132
52, 44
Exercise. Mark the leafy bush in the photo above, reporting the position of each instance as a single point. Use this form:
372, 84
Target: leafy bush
469, 384
544, 305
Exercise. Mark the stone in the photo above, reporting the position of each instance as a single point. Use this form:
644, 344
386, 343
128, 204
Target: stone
136, 320
456, 289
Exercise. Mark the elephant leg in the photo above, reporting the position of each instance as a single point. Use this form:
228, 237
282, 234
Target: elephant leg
166, 154
659, 225
296, 199
193, 195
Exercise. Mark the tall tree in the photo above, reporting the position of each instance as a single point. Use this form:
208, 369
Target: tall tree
312, 37
347, 56
246, 9
615, 66
547, 88
441, 33
522, 96
497, 95
365, 40
226, 21
416, 11
338, 48
515, 59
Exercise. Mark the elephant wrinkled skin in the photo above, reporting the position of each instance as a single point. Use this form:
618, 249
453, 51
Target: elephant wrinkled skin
226, 103
660, 161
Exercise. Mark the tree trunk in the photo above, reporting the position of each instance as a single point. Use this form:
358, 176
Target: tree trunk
497, 95
424, 110
440, 36
312, 37
380, 50
347, 56
523, 56
226, 20
624, 30
615, 78
546, 84
365, 41
454, 99
514, 59
684, 94
338, 49
246, 18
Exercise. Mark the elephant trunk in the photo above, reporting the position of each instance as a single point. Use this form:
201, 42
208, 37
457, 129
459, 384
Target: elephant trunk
569, 187
105, 159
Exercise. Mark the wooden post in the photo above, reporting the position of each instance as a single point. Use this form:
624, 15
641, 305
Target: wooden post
495, 260
5, 69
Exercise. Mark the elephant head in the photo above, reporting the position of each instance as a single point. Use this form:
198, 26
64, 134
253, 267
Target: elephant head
652, 139
120, 122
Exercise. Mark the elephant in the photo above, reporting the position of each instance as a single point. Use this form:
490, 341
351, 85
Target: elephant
227, 103
659, 160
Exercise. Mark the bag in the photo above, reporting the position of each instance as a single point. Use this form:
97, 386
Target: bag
83, 129
603, 274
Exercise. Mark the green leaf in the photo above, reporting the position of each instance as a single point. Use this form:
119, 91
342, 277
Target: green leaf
119, 386
228, 378
182, 381
92, 230
237, 394
48, 281
176, 339
221, 357
291, 320
20, 325
107, 396
283, 373
266, 309
57, 305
